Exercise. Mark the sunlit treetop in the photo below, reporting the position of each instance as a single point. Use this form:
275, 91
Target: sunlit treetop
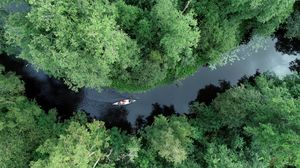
134, 45
75, 40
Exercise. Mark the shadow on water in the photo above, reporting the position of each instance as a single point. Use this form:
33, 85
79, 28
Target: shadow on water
116, 116
52, 93
249, 79
205, 95
209, 92
46, 91
290, 46
167, 100
157, 109
295, 66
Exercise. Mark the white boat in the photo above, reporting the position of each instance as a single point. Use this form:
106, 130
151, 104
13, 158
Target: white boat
123, 102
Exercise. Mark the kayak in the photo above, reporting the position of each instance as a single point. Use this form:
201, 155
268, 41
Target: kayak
123, 102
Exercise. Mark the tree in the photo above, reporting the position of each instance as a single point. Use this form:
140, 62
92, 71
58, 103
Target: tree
226, 24
257, 122
288, 36
135, 45
292, 24
178, 32
83, 38
72, 39
220, 156
295, 66
170, 138
278, 148
292, 82
23, 125
166, 37
87, 145
79, 147
7, 7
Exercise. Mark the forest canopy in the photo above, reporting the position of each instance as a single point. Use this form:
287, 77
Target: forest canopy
131, 45
135, 45
255, 124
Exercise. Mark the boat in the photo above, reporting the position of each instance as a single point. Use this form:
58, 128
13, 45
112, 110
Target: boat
123, 102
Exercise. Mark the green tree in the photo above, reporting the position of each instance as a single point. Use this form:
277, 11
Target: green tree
72, 39
87, 145
293, 26
167, 38
220, 156
77, 41
178, 33
135, 45
170, 138
225, 24
23, 125
7, 7
258, 121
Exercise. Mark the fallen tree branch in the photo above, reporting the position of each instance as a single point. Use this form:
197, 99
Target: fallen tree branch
186, 6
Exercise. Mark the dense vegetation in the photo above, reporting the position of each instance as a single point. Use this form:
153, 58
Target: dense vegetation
256, 124
132, 44
23, 125
289, 33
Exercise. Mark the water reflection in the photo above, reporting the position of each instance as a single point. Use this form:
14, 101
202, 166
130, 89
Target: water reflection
295, 66
116, 116
180, 96
249, 79
157, 109
209, 92
48, 92
290, 46
166, 100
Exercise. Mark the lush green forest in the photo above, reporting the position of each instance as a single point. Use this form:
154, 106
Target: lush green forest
133, 45
255, 124
288, 34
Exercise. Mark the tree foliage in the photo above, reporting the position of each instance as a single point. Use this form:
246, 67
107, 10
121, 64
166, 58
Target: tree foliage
87, 145
255, 124
134, 45
23, 125
72, 39
292, 24
226, 24
170, 138
288, 36
264, 116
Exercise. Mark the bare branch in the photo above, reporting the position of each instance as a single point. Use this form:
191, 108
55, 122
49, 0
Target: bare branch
186, 6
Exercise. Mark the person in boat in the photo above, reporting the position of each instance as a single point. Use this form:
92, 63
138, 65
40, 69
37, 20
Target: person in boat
124, 102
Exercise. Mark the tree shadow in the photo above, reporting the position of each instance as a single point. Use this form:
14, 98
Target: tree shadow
116, 116
249, 79
157, 109
47, 91
290, 46
295, 65
207, 94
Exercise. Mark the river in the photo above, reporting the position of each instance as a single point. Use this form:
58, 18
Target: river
51, 93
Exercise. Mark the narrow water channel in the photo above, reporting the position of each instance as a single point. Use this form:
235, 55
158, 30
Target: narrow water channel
52, 93
179, 95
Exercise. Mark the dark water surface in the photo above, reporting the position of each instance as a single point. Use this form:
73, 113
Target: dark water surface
52, 93
179, 95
